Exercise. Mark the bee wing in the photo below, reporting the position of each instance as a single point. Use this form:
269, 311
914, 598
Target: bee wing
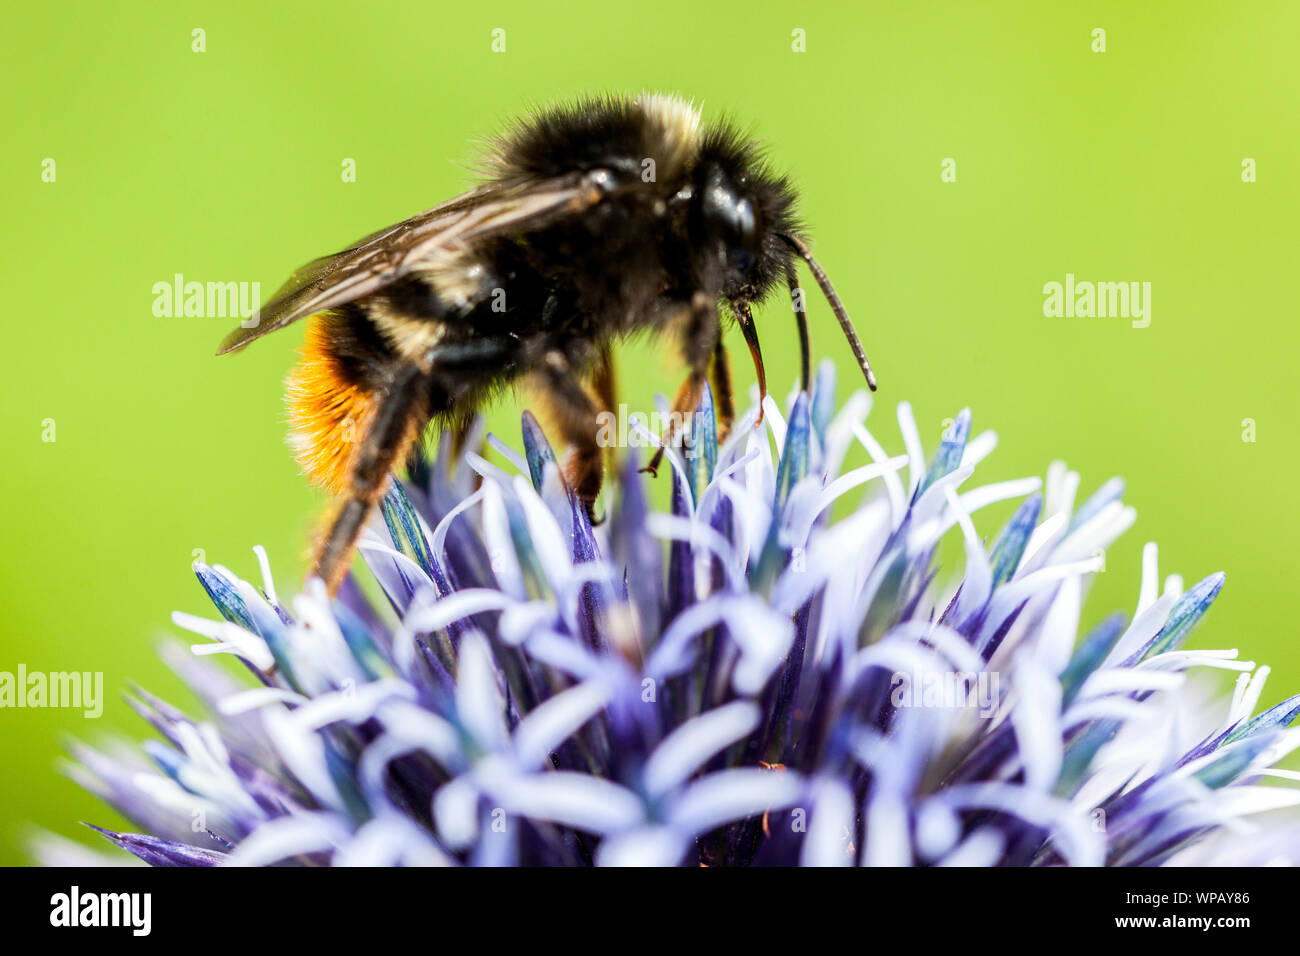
385, 256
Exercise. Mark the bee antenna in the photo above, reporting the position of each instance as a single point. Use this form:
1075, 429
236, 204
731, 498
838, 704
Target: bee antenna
828, 290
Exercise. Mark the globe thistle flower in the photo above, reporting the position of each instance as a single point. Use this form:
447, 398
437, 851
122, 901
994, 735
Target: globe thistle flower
746, 679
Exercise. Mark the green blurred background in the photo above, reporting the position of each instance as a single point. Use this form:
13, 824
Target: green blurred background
226, 166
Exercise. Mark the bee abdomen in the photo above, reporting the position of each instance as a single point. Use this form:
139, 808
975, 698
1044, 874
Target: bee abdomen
332, 394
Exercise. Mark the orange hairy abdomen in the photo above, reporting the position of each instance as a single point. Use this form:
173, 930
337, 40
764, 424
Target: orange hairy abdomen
328, 412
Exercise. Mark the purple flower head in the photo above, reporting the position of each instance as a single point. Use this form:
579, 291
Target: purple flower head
775, 671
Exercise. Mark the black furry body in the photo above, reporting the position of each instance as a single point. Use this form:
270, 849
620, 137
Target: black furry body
630, 263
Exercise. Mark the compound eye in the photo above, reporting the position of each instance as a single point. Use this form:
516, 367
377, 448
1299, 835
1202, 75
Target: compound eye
744, 221
732, 215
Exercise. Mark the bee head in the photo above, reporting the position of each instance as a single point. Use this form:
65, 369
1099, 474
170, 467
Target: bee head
739, 211
728, 219
743, 221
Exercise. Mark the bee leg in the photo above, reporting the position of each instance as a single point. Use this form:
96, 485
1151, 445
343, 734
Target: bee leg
457, 432
575, 415
603, 381
722, 391
703, 336
387, 438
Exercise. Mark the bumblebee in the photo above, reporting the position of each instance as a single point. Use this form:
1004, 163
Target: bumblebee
593, 221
